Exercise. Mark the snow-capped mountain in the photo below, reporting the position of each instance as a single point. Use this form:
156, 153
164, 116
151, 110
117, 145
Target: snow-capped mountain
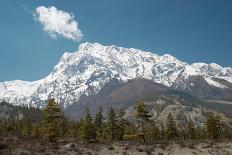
89, 68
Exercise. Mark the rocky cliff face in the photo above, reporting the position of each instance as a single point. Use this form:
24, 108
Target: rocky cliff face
160, 100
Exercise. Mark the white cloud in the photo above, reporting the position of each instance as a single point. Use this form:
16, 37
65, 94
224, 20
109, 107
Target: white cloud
58, 23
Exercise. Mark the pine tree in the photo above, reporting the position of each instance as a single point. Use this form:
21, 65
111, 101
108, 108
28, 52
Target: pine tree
191, 131
88, 132
36, 131
113, 129
227, 132
162, 131
73, 129
9, 127
52, 120
98, 123
154, 132
112, 124
171, 129
98, 119
143, 116
64, 125
130, 131
183, 133
213, 126
29, 125
120, 130
78, 129
203, 132
20, 126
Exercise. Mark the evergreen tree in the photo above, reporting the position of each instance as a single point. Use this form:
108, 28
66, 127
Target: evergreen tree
98, 119
73, 129
213, 127
112, 124
183, 133
191, 131
98, 123
113, 129
227, 132
130, 131
154, 132
171, 129
28, 125
203, 132
120, 130
52, 120
88, 132
78, 129
162, 131
64, 125
36, 130
9, 127
143, 116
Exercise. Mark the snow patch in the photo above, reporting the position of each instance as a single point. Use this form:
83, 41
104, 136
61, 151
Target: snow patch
214, 83
90, 67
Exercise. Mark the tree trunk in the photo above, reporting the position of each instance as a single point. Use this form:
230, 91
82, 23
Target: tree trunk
143, 130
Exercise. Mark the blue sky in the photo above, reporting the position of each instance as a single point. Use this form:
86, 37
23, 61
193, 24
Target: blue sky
191, 30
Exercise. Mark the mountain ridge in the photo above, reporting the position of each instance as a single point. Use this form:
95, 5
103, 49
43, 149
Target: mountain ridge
160, 100
89, 68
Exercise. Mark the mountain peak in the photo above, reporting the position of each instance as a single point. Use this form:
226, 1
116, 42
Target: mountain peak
88, 69
169, 57
87, 45
216, 66
97, 47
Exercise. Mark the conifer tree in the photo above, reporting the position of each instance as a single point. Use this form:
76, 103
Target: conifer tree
227, 132
78, 129
52, 120
203, 132
183, 132
73, 129
120, 130
162, 131
36, 131
64, 125
154, 132
98, 123
143, 116
88, 132
98, 119
29, 125
213, 126
171, 129
10, 127
20, 126
113, 130
191, 131
112, 124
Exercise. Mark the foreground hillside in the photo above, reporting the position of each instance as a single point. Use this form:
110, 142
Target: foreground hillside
13, 146
54, 134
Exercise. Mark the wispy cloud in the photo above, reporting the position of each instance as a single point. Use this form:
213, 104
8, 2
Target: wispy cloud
26, 8
58, 23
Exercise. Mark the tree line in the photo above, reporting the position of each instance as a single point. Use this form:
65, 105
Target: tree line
54, 125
